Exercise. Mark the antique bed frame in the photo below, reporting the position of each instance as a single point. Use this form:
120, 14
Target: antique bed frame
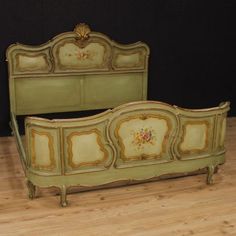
134, 142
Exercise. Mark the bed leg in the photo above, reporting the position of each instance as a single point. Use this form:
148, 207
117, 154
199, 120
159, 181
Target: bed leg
10, 124
210, 172
64, 202
31, 189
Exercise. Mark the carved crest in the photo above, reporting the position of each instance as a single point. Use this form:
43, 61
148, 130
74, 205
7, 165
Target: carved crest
82, 30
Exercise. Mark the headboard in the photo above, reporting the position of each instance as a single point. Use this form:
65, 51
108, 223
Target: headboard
76, 71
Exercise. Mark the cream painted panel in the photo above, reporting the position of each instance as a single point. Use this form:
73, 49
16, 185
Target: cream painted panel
128, 60
85, 149
42, 151
143, 136
71, 56
195, 137
32, 63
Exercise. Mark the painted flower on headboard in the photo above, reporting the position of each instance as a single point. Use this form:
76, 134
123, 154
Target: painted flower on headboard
85, 55
143, 136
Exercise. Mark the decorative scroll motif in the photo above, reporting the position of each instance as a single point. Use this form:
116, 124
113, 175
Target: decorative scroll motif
138, 137
39, 153
82, 30
87, 143
144, 136
195, 137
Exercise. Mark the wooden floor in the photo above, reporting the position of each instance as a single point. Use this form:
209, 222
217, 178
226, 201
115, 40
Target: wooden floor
182, 206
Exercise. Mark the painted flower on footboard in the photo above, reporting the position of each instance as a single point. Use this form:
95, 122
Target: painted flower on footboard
143, 136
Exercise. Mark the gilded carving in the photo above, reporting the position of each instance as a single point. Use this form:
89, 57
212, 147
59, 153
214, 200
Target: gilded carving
142, 136
34, 163
86, 163
82, 30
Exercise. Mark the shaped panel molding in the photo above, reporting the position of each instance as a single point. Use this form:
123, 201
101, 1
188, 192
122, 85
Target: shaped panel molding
129, 59
27, 62
42, 150
68, 55
143, 136
195, 137
85, 148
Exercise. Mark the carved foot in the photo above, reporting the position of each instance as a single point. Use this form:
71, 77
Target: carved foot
31, 189
64, 202
210, 172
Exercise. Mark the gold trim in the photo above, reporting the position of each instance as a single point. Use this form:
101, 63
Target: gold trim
99, 142
195, 150
52, 164
143, 156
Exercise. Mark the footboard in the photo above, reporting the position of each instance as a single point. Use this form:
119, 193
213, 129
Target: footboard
133, 142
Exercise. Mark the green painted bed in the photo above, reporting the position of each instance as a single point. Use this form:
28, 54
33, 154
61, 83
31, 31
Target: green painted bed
136, 141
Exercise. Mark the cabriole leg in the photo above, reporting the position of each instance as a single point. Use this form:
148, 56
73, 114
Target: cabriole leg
64, 202
31, 189
210, 172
